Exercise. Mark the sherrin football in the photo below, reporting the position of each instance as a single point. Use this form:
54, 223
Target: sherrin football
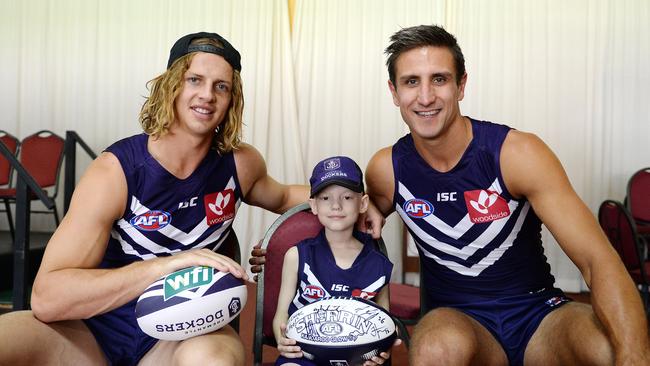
190, 302
341, 330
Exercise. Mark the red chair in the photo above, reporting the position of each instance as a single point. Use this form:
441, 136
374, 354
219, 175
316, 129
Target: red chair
6, 170
405, 299
288, 230
618, 225
638, 200
41, 154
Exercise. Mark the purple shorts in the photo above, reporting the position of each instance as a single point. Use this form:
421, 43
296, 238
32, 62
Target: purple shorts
513, 320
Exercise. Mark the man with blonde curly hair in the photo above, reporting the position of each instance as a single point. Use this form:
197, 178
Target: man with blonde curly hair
189, 168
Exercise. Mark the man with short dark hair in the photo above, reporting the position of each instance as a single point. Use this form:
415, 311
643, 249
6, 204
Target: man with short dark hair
474, 194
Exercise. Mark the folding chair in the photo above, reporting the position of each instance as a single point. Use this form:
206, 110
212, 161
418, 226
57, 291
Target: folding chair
41, 154
6, 171
406, 300
638, 200
618, 225
289, 229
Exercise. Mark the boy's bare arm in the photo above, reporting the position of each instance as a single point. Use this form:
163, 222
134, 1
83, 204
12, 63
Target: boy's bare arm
287, 347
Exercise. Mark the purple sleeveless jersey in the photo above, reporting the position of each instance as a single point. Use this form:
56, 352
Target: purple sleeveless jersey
164, 215
319, 276
475, 240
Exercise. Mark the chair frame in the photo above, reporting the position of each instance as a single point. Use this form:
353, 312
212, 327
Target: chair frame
639, 243
629, 204
410, 264
259, 339
7, 207
8, 200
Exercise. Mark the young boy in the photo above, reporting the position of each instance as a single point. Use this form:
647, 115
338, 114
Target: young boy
340, 261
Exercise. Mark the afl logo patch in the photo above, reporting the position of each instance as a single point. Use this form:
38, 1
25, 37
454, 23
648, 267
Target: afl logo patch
418, 208
151, 220
314, 292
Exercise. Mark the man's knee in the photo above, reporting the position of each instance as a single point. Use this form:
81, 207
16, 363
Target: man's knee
442, 336
570, 335
187, 357
25, 340
220, 348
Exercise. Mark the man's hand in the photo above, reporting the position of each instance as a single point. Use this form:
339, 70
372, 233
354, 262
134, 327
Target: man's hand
201, 257
257, 259
371, 221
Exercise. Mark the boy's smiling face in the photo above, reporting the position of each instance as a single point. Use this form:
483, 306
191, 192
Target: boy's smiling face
338, 207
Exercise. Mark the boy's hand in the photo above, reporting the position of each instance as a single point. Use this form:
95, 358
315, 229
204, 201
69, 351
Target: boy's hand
383, 357
287, 346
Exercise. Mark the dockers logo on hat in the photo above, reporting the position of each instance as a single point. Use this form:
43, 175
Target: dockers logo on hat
219, 206
332, 164
485, 206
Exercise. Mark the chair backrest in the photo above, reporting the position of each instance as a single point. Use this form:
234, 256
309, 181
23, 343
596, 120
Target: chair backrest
42, 154
12, 144
288, 230
619, 227
638, 195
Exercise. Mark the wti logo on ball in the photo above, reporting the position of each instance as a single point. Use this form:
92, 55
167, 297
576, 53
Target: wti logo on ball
151, 220
418, 208
186, 279
485, 206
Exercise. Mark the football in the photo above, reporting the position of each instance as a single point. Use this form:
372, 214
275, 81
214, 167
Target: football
190, 302
341, 330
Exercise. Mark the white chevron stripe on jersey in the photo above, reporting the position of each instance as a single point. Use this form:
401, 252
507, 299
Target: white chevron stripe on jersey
453, 232
170, 230
311, 278
373, 287
479, 243
154, 248
489, 259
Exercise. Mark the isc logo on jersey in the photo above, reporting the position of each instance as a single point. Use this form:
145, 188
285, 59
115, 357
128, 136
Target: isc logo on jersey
151, 220
418, 208
313, 292
219, 206
186, 279
485, 206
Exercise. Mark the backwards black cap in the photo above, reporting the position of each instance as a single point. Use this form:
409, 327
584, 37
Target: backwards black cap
182, 47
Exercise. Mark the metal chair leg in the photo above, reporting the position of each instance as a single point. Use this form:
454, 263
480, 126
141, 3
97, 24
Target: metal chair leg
10, 220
